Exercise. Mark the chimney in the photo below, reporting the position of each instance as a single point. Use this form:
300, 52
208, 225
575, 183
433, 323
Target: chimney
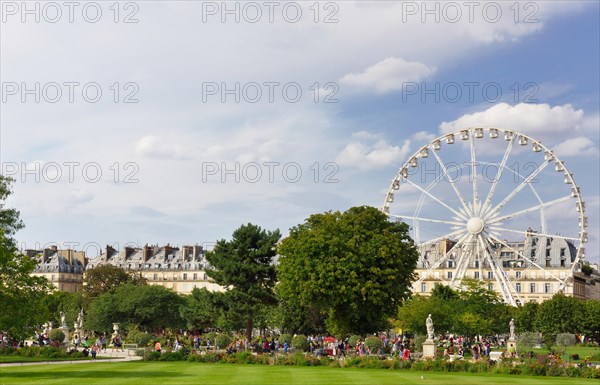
109, 251
147, 253
197, 251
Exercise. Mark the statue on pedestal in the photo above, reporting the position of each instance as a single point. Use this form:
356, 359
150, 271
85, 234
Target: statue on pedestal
512, 329
63, 323
80, 318
430, 331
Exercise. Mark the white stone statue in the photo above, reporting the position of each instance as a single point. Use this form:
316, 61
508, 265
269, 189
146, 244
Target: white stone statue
429, 324
63, 323
512, 329
80, 318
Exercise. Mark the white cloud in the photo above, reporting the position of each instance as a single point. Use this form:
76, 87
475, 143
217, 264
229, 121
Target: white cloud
580, 146
389, 75
550, 125
152, 146
370, 151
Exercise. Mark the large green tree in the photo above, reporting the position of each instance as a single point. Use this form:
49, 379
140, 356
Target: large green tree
105, 278
244, 267
560, 314
145, 307
20, 293
356, 267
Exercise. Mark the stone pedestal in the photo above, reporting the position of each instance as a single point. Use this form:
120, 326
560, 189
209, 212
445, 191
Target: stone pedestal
511, 346
428, 349
65, 330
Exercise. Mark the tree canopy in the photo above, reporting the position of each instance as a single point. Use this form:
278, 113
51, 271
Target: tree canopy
244, 266
356, 267
21, 294
104, 278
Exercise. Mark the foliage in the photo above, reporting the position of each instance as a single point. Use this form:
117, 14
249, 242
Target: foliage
139, 337
356, 267
147, 307
529, 339
354, 339
56, 335
105, 278
21, 294
69, 303
565, 339
285, 337
374, 344
590, 318
560, 314
300, 343
244, 266
419, 340
525, 317
222, 341
298, 318
587, 269
202, 309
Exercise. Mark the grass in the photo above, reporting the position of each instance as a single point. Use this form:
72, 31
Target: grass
182, 373
13, 359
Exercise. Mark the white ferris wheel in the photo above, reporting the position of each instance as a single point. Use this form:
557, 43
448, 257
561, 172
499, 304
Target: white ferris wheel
489, 200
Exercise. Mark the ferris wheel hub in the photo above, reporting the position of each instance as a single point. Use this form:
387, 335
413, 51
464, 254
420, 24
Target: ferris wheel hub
475, 225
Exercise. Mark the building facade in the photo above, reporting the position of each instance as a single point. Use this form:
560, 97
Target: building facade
552, 258
181, 269
63, 268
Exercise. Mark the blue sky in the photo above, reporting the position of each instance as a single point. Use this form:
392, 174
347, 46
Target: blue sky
173, 142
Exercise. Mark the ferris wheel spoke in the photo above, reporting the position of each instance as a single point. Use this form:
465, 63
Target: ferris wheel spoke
437, 200
462, 265
516, 190
499, 274
528, 210
516, 251
488, 199
426, 219
496, 228
474, 174
447, 236
450, 180
441, 260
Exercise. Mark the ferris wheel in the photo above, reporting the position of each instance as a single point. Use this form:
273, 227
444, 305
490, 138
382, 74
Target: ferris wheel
490, 200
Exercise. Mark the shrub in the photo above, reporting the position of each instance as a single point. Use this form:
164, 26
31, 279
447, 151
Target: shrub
56, 335
353, 340
222, 340
285, 337
565, 339
139, 337
300, 343
529, 339
374, 343
419, 339
151, 356
172, 356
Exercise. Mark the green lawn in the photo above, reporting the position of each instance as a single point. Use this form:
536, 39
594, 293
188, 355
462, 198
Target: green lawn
205, 374
11, 359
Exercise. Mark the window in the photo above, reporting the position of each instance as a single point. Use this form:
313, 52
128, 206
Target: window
476, 275
165, 277
175, 277
562, 263
477, 264
547, 253
450, 264
532, 253
548, 263
532, 287
423, 287
562, 251
491, 286
518, 287
518, 274
155, 277
548, 241
184, 276
449, 275
490, 275
547, 288
195, 276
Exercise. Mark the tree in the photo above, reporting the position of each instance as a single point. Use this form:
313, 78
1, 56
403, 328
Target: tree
69, 303
560, 314
144, 307
590, 318
525, 317
202, 309
104, 278
244, 267
356, 267
20, 293
413, 313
